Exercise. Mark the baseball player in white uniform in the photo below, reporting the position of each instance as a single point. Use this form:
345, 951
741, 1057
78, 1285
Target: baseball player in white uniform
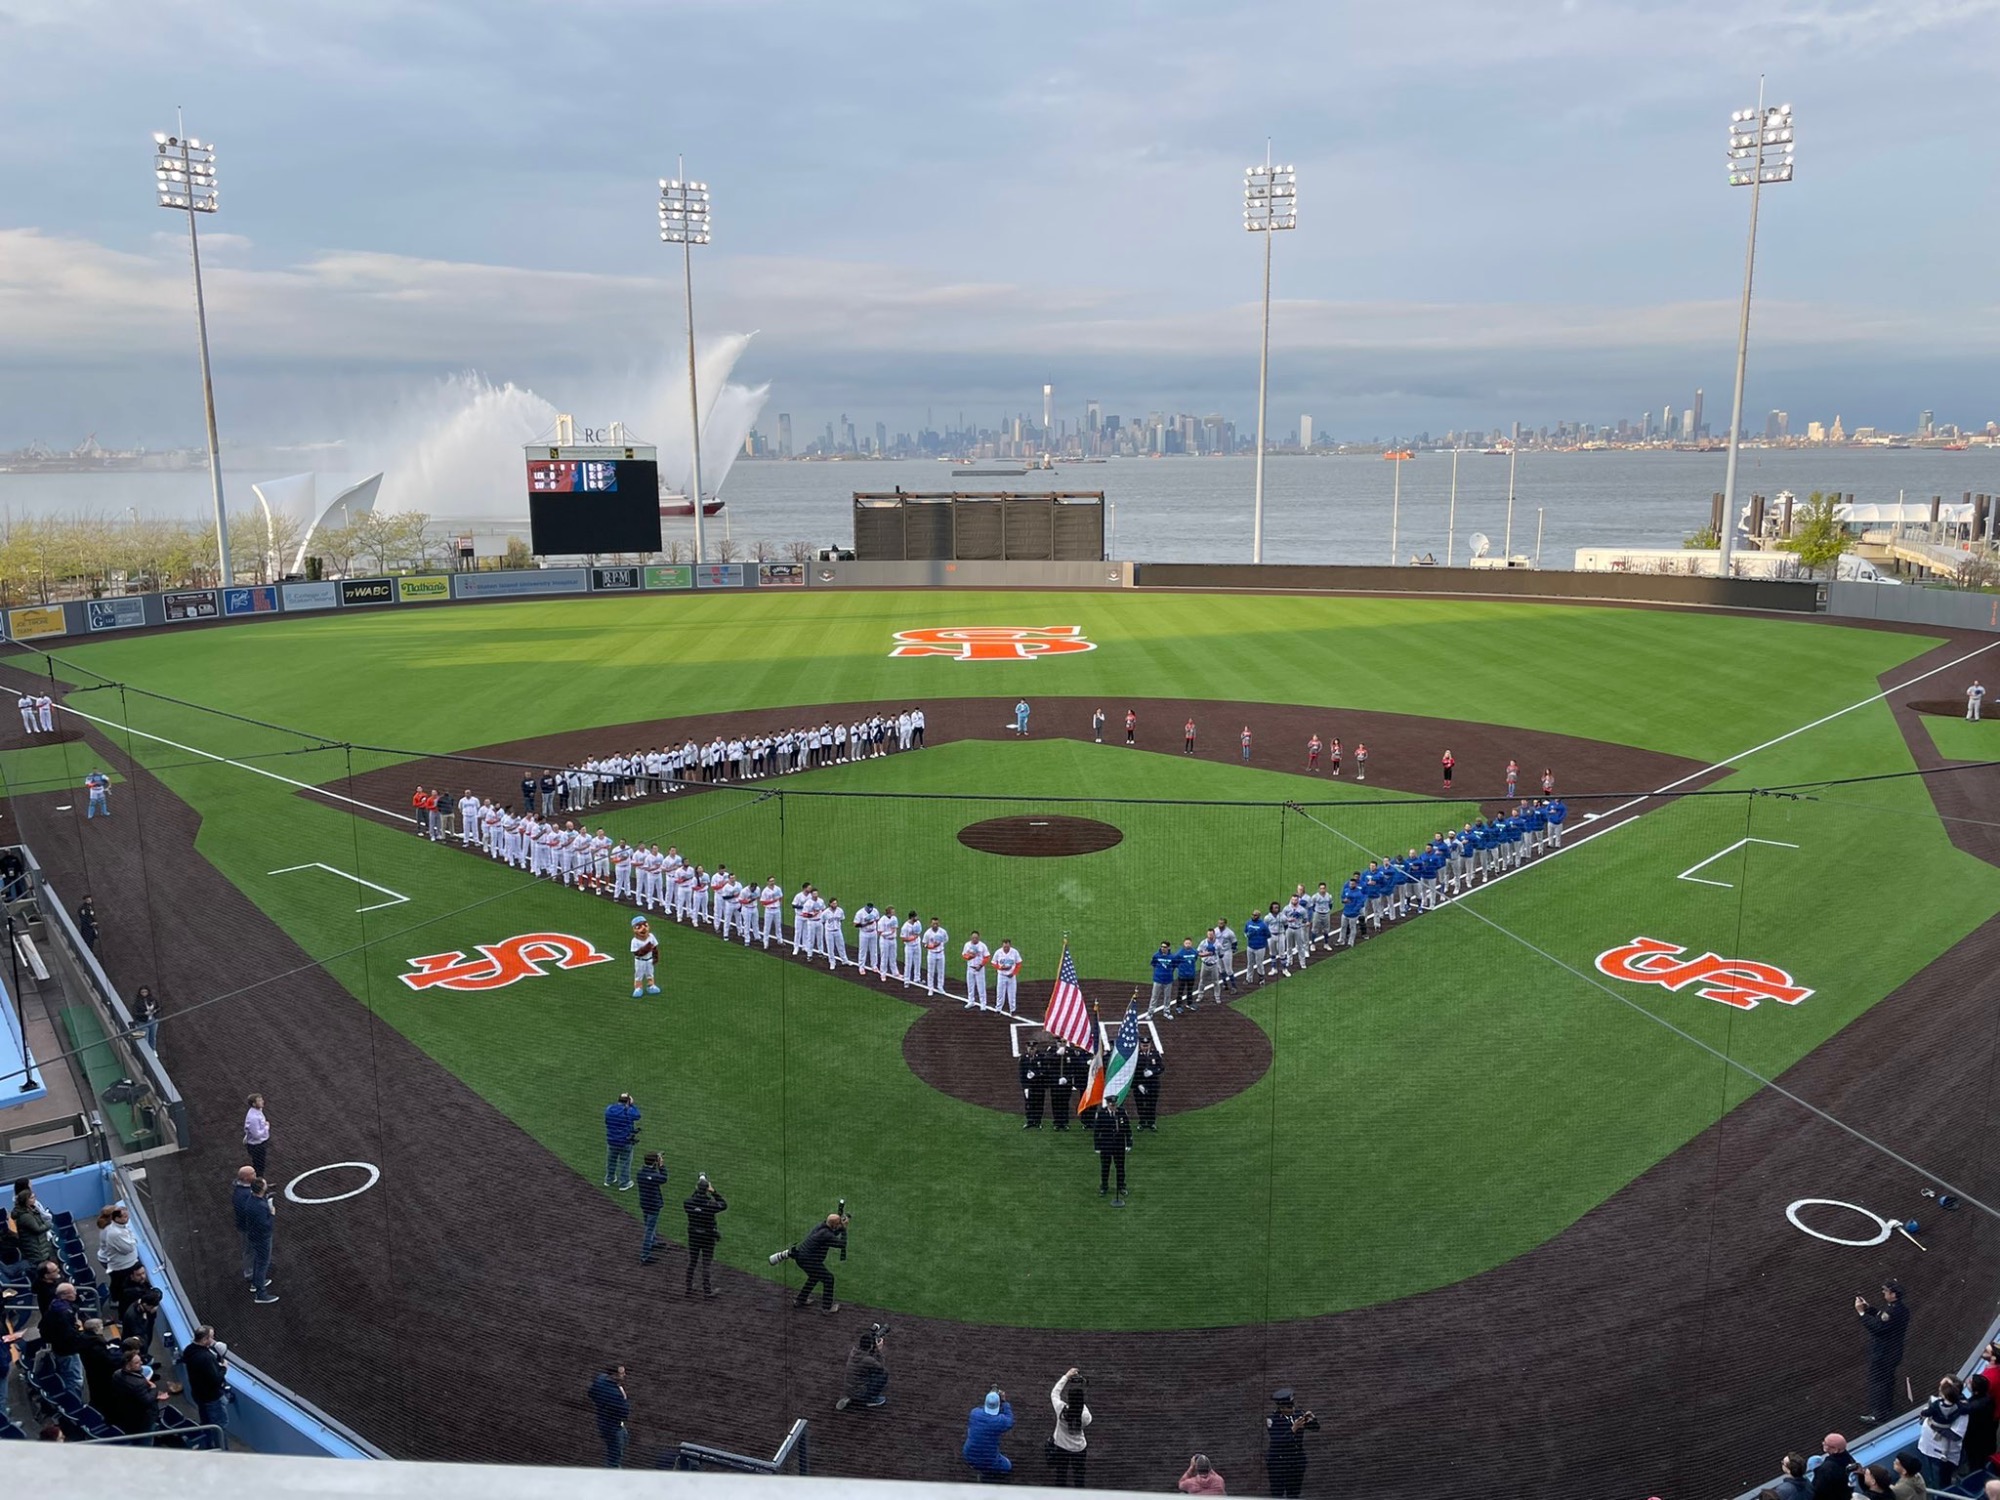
45, 709
725, 903
865, 950
799, 899
913, 947
833, 932
935, 937
1006, 976
27, 706
645, 949
746, 910
975, 954
771, 902
885, 949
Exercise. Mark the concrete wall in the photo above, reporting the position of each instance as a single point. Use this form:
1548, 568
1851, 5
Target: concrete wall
1886, 601
971, 575
1505, 583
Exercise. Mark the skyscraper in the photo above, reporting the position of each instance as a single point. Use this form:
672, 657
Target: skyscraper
1694, 416
1927, 425
1306, 433
1048, 410
784, 434
881, 439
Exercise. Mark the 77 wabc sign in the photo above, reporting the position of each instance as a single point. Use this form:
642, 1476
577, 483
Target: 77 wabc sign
993, 642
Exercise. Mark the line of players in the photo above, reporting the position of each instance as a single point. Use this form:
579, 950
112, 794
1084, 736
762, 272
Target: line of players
663, 880
1282, 937
38, 713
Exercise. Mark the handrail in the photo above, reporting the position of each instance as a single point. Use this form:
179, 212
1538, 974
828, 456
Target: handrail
688, 1455
161, 1432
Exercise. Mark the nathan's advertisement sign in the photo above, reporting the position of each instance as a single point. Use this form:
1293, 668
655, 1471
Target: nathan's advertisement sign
781, 575
494, 966
261, 599
615, 580
993, 642
670, 576
191, 604
367, 591
310, 596
36, 621
1738, 982
422, 587
115, 614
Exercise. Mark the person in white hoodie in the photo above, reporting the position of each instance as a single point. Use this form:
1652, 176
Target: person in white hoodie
1066, 1447
117, 1248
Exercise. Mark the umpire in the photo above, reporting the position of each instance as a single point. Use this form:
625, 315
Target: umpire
1035, 1072
810, 1254
1147, 1086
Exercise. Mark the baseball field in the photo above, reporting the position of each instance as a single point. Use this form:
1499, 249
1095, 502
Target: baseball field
1389, 1134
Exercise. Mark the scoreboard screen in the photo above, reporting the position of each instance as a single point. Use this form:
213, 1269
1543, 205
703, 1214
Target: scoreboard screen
586, 506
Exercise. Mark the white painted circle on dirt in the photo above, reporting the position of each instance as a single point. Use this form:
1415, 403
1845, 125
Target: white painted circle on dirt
1883, 1227
374, 1176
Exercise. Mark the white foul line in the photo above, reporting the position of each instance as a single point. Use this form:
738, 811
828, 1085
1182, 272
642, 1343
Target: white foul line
398, 900
1720, 765
304, 786
1689, 875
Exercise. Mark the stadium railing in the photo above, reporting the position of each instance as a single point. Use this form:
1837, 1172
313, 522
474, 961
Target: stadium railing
796, 1446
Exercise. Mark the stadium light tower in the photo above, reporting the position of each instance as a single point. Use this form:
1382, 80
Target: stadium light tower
184, 176
684, 222
1760, 152
1270, 203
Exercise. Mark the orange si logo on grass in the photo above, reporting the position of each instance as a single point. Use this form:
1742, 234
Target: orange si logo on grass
501, 964
992, 642
1740, 982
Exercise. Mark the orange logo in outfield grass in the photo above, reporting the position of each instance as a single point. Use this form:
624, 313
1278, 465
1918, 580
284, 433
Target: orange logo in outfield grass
992, 642
1730, 981
501, 964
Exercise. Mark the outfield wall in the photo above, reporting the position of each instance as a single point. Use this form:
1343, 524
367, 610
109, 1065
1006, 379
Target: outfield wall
1512, 583
1918, 606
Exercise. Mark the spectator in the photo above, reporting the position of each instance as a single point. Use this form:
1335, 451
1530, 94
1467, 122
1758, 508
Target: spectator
52, 1433
14, 1265
260, 1227
140, 1317
1793, 1485
985, 1425
1878, 1479
33, 1225
48, 1276
1201, 1478
1286, 1429
136, 1407
614, 1409
117, 1248
102, 1360
867, 1380
1981, 1425
1066, 1446
1941, 1438
1909, 1483
240, 1193
146, 1015
1886, 1326
86, 923
621, 1130
652, 1178
256, 1133
207, 1365
1830, 1471
13, 876
62, 1331
701, 1207
810, 1255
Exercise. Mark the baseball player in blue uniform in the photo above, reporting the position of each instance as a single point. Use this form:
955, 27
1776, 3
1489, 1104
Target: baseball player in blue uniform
1021, 718
1351, 903
1257, 942
1163, 979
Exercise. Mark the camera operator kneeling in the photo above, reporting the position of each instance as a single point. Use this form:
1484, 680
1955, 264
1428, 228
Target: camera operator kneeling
867, 1371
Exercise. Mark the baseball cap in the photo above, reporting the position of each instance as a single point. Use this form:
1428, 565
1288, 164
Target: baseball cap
638, 921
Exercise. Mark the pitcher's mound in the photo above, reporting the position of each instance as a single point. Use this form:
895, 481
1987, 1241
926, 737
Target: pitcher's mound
1040, 836
1944, 708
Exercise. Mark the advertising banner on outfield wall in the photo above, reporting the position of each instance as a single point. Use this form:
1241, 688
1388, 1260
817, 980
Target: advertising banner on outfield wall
718, 575
191, 604
422, 587
367, 591
311, 596
31, 624
260, 599
781, 575
512, 583
612, 580
672, 576
115, 614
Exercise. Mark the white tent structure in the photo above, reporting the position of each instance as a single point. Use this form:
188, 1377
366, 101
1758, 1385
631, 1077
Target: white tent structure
297, 496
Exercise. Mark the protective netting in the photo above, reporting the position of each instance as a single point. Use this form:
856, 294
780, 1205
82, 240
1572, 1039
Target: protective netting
1532, 1167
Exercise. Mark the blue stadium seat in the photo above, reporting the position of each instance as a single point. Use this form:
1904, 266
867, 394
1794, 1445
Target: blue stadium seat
9, 1433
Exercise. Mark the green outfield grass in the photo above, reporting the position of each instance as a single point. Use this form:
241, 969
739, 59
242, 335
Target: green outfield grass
1442, 1100
1956, 739
49, 768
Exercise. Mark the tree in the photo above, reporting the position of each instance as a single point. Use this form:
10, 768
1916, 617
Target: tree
1704, 540
725, 550
798, 552
1817, 539
337, 547
517, 554
1979, 571
764, 551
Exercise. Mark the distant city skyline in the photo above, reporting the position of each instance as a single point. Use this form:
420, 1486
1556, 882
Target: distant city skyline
1061, 215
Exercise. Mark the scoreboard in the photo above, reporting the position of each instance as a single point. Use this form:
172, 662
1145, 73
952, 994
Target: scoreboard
591, 501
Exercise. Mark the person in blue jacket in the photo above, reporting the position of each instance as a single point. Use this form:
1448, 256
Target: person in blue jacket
1257, 938
621, 1129
985, 1425
1164, 965
1557, 814
1187, 965
1351, 903
614, 1410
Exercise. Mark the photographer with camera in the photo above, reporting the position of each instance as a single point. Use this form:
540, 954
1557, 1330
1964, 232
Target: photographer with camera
701, 1207
867, 1370
621, 1133
1286, 1430
810, 1254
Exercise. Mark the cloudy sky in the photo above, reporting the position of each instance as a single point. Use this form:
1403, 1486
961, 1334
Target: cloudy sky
1509, 208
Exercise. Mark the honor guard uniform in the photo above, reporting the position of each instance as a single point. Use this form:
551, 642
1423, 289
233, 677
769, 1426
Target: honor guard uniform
935, 937
1063, 1083
865, 950
1006, 977
1034, 1087
913, 949
975, 954
1146, 1086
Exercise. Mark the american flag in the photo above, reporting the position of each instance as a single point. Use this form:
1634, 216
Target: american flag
1068, 1017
